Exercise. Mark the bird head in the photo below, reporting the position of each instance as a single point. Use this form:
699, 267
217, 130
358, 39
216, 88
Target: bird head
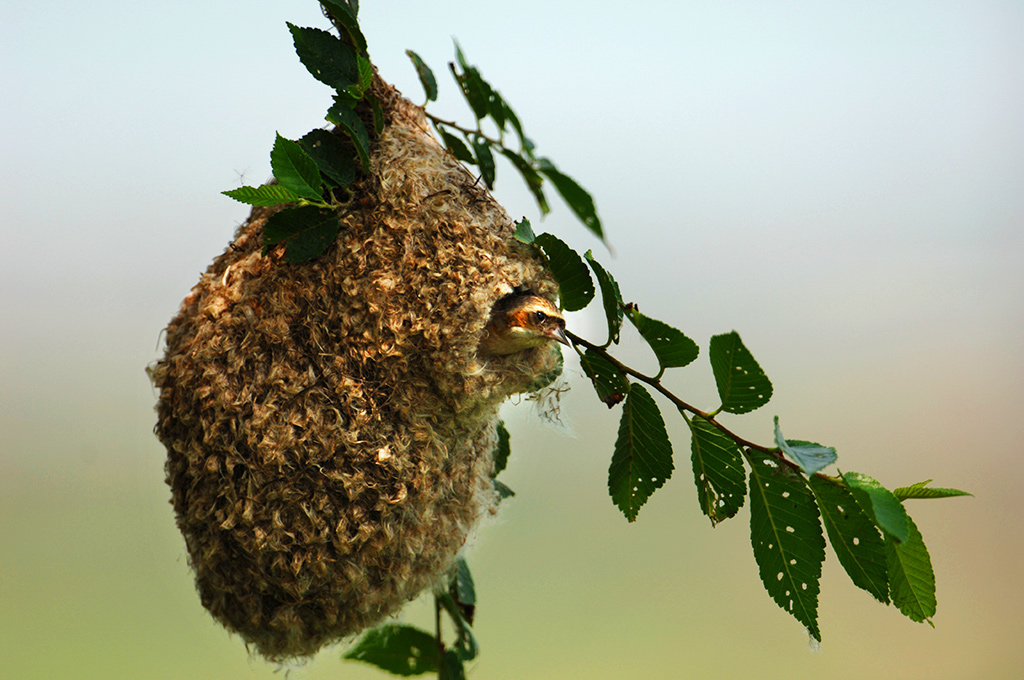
519, 321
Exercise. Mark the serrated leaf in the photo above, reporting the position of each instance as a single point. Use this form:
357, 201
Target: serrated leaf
306, 231
352, 125
295, 170
786, 535
365, 74
642, 460
575, 286
922, 490
345, 17
501, 449
378, 114
884, 509
524, 231
609, 382
811, 457
911, 578
264, 195
532, 178
853, 536
611, 298
577, 198
333, 157
670, 345
326, 57
397, 649
426, 76
485, 160
742, 385
717, 471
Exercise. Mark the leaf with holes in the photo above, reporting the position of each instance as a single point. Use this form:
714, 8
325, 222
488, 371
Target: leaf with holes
670, 345
911, 579
884, 509
333, 157
786, 534
575, 287
501, 449
809, 456
609, 382
306, 231
610, 297
853, 536
397, 649
485, 160
295, 170
742, 385
642, 460
326, 57
717, 470
922, 490
352, 125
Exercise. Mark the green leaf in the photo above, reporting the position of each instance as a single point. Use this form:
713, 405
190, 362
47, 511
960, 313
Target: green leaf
609, 382
426, 76
575, 286
742, 385
809, 456
457, 147
717, 470
465, 591
610, 297
642, 460
397, 649
332, 156
786, 535
352, 125
524, 232
475, 89
911, 579
534, 182
295, 170
344, 16
326, 57
853, 536
526, 146
485, 160
266, 194
497, 108
884, 509
378, 114
307, 231
922, 490
581, 202
670, 345
452, 667
503, 490
501, 449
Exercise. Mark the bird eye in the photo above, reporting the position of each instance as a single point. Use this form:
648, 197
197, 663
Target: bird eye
539, 317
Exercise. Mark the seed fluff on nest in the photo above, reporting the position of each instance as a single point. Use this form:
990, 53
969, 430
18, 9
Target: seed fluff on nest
330, 425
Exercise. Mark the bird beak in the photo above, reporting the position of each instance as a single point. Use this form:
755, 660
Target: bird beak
558, 334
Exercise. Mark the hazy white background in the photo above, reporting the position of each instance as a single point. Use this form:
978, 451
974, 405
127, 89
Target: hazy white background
842, 183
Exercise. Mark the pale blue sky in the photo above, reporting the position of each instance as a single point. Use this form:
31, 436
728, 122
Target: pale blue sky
842, 183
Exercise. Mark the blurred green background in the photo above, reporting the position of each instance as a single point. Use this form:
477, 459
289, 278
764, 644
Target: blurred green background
842, 183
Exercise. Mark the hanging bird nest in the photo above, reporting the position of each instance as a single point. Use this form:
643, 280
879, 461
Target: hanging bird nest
329, 425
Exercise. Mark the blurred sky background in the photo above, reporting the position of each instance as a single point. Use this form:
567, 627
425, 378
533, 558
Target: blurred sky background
842, 183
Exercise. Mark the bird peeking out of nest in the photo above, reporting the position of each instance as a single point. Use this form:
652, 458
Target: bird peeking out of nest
519, 321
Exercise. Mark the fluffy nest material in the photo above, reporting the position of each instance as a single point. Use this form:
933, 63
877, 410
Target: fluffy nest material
329, 426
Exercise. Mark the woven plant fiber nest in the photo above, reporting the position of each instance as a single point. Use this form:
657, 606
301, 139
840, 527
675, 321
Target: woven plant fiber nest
329, 426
